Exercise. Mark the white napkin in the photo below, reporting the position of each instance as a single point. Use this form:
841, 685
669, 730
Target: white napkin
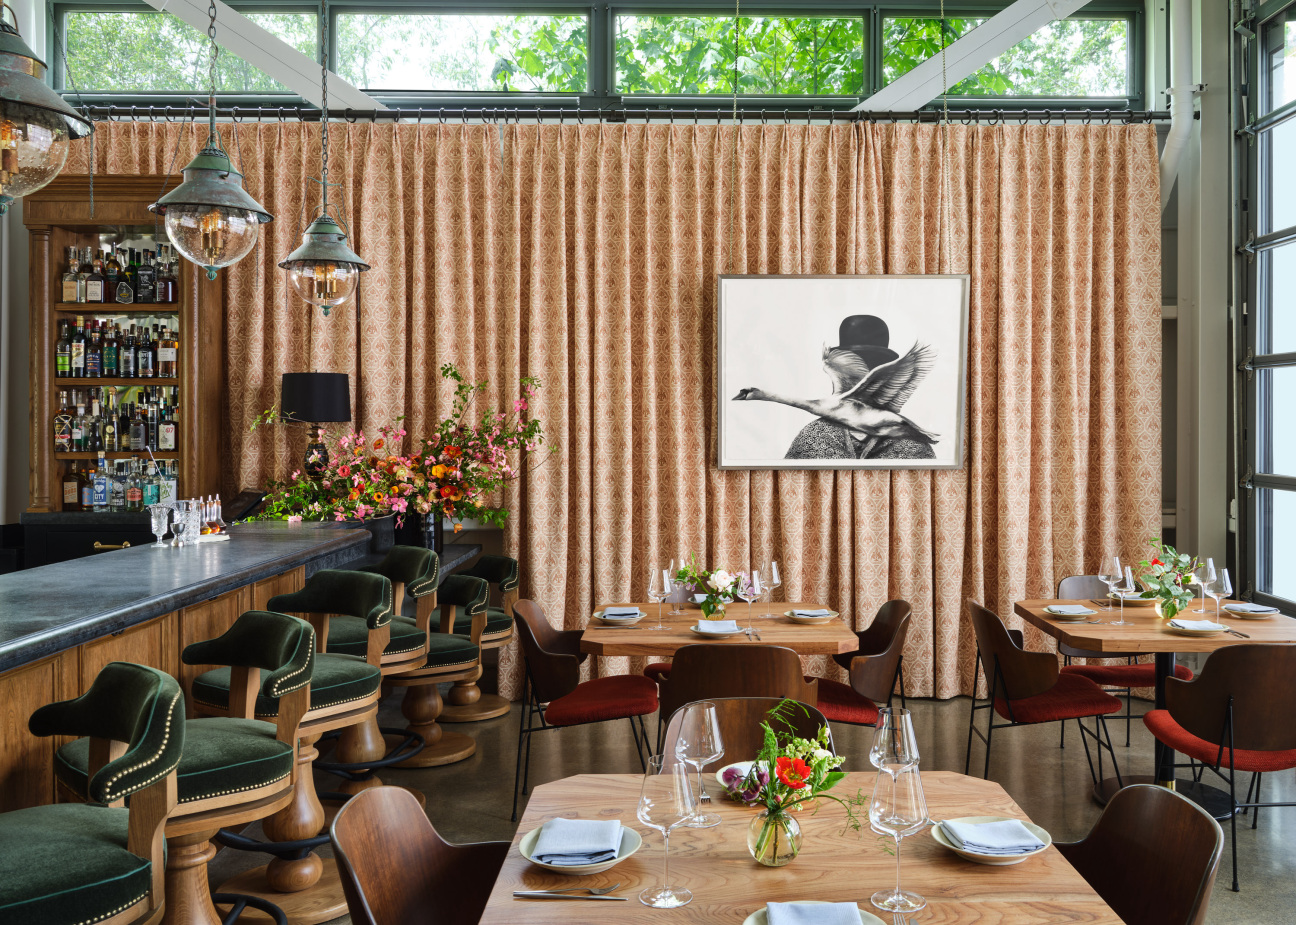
717, 626
1008, 836
812, 613
620, 613
1244, 607
1069, 609
812, 914
1199, 625
572, 842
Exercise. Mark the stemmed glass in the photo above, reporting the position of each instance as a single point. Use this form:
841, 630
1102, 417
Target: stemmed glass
898, 809
161, 517
666, 801
1202, 576
774, 582
658, 589
1127, 586
1110, 575
1219, 589
674, 583
748, 589
895, 747
697, 744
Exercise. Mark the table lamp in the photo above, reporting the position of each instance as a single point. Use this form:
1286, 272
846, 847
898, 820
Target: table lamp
315, 399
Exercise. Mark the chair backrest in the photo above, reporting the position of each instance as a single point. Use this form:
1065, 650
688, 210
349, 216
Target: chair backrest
1024, 674
740, 721
1152, 856
463, 606
413, 571
874, 668
501, 571
706, 671
552, 656
1260, 680
1082, 588
396, 870
356, 594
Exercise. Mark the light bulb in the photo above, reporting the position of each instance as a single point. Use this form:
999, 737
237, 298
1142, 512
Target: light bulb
212, 236
323, 283
33, 149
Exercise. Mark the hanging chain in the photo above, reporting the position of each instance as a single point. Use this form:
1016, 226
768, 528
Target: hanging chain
211, 72
733, 160
943, 242
71, 79
324, 116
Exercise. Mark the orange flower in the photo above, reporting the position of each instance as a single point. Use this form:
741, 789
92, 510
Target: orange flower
446, 491
793, 772
379, 443
353, 496
358, 451
379, 497
373, 461
452, 451
438, 471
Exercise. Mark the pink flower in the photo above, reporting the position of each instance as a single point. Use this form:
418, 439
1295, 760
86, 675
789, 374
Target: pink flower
296, 472
327, 483
519, 405
294, 518
399, 505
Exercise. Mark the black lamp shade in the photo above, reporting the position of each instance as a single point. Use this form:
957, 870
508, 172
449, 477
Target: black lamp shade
315, 398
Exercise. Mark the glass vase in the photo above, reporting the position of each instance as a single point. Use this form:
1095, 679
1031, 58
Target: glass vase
774, 838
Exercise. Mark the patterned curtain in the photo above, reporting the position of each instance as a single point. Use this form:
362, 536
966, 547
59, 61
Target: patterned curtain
588, 256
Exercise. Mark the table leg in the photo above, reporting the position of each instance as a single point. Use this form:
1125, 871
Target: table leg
1165, 756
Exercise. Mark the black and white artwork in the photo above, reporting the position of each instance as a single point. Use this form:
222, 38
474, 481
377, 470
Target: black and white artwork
842, 372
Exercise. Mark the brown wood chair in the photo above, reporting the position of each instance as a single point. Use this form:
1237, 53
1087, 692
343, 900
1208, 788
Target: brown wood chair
1234, 717
396, 869
1026, 688
876, 668
1120, 678
740, 721
555, 695
1152, 856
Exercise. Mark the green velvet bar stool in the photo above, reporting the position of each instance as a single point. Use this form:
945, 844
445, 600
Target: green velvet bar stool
81, 863
467, 704
234, 769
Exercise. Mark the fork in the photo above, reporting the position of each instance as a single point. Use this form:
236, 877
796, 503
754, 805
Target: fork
705, 797
592, 890
898, 919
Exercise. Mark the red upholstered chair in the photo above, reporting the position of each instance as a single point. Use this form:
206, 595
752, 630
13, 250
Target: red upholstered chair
1120, 678
1026, 689
874, 668
555, 695
1235, 716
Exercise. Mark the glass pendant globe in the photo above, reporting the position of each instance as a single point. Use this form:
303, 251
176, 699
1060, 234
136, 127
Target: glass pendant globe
212, 236
323, 283
33, 149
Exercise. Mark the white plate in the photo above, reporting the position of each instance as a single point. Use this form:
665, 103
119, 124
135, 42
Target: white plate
1070, 617
630, 843
741, 766
994, 860
1182, 632
759, 917
1249, 615
618, 621
832, 615
710, 635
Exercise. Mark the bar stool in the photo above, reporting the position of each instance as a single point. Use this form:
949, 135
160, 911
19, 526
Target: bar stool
467, 704
234, 769
81, 862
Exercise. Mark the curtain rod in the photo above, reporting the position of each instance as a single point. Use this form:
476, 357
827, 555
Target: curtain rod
1105, 116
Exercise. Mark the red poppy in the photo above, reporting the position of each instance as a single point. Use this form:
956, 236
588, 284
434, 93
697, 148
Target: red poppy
378, 444
1157, 562
793, 772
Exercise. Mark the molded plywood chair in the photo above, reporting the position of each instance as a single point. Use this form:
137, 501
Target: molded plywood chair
467, 704
79, 862
1152, 856
876, 667
740, 721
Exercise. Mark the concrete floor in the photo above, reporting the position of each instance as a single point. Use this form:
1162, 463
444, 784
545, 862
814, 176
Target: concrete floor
1052, 785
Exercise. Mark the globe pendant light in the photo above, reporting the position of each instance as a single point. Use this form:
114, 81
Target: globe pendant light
36, 126
324, 270
210, 218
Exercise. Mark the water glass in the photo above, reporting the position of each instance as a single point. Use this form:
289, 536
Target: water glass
658, 588
1110, 575
898, 809
895, 747
697, 744
1202, 576
674, 584
1219, 589
665, 802
161, 519
748, 589
1127, 586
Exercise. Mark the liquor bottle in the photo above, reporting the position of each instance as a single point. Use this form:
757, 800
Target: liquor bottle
93, 430
76, 351
84, 269
146, 279
87, 489
152, 485
126, 354
117, 488
100, 485
78, 429
112, 273
151, 420
166, 279
71, 491
94, 352
167, 492
71, 284
134, 488
138, 430
168, 348
168, 433
126, 282
123, 427
95, 283
144, 368
63, 352
110, 442
63, 425
111, 353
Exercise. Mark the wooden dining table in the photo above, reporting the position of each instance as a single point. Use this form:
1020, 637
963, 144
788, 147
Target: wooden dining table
643, 639
834, 865
1146, 633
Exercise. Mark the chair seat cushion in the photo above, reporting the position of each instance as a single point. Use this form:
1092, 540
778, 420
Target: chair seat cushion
497, 621
67, 863
222, 755
1162, 725
657, 671
841, 703
448, 649
350, 636
1141, 675
616, 697
1073, 697
337, 679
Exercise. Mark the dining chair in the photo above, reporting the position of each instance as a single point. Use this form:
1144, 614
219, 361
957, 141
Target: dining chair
396, 869
1026, 689
740, 721
555, 695
1152, 856
707, 670
1235, 716
876, 668
1120, 678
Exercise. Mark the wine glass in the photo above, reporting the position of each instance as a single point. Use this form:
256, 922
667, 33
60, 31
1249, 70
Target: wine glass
697, 744
1127, 586
898, 809
1219, 589
744, 590
674, 584
773, 583
895, 747
658, 590
161, 517
666, 801
1110, 575
1202, 576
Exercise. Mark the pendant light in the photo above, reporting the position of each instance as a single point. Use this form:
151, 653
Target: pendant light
36, 126
324, 270
210, 218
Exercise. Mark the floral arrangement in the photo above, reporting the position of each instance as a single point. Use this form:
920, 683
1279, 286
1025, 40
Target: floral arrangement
1166, 578
719, 586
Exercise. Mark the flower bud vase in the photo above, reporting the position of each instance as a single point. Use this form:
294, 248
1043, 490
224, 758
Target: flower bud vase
774, 838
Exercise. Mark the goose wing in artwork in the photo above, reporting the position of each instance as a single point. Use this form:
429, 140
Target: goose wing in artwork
890, 385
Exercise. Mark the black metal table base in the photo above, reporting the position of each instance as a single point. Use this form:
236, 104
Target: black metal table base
1212, 799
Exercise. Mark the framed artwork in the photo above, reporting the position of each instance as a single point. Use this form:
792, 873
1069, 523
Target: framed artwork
842, 372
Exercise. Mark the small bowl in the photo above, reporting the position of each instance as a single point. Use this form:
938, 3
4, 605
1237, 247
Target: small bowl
630, 843
761, 917
617, 621
994, 860
827, 618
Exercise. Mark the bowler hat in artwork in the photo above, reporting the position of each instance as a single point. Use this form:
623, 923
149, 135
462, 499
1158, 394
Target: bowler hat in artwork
867, 336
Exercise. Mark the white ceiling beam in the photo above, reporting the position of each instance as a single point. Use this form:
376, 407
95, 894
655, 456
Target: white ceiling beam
238, 35
967, 55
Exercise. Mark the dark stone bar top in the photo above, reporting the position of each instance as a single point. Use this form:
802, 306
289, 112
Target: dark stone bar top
48, 609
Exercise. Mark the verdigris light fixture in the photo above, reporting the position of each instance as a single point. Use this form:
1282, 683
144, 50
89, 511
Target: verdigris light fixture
210, 218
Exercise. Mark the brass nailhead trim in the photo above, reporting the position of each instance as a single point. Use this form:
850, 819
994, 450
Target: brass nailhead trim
166, 737
278, 690
108, 915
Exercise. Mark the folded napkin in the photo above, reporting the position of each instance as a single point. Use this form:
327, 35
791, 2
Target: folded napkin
620, 613
572, 842
812, 914
717, 626
1197, 625
1007, 836
1069, 609
1244, 607
812, 613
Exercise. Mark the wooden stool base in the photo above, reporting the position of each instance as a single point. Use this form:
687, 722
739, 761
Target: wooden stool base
451, 747
319, 903
488, 707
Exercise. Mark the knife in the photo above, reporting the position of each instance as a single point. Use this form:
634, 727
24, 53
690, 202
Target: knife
1236, 633
541, 894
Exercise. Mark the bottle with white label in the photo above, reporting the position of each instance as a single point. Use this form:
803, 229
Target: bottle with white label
117, 490
167, 493
101, 484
